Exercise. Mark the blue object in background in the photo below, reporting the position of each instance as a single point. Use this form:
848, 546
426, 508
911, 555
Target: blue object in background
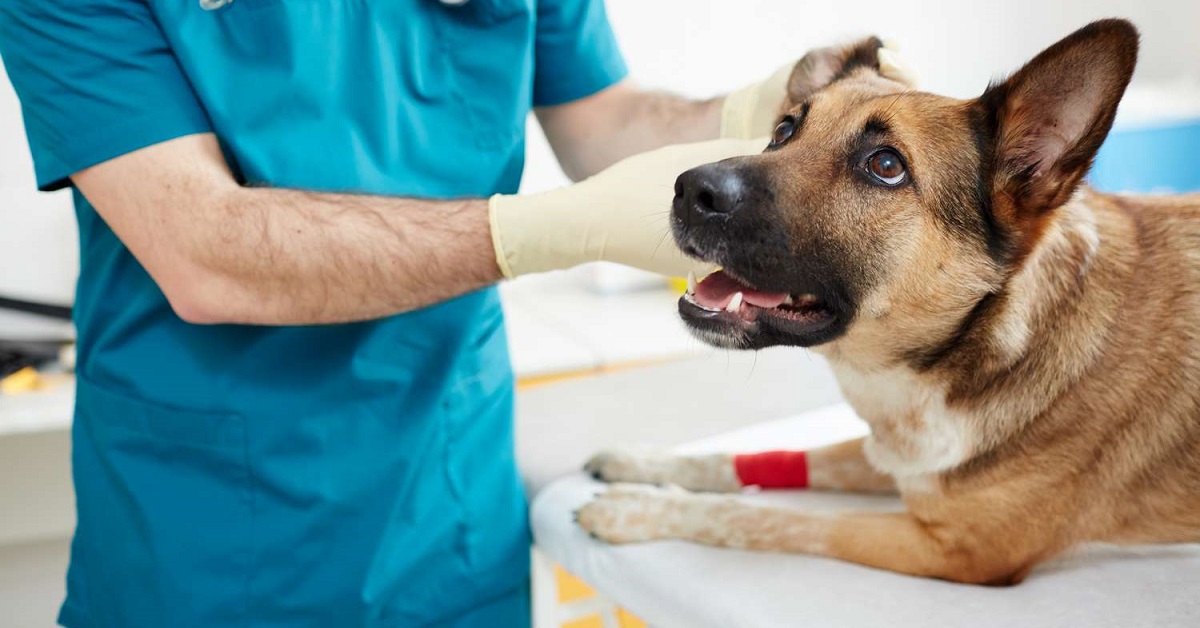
1155, 158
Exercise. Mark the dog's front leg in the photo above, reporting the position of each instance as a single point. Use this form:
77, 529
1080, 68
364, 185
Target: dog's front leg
896, 542
844, 467
840, 467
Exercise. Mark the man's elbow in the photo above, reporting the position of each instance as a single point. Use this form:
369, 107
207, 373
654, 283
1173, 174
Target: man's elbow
197, 312
202, 300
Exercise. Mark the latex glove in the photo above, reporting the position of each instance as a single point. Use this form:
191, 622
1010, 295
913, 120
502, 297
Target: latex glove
619, 215
754, 110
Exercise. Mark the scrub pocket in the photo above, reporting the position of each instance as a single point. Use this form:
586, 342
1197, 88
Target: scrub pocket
164, 502
481, 466
479, 419
488, 48
489, 11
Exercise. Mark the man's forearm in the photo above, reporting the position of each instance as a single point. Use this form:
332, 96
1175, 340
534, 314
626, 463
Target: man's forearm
286, 257
223, 253
645, 120
593, 133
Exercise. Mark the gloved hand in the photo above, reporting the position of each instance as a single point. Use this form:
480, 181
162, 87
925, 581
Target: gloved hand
754, 110
619, 215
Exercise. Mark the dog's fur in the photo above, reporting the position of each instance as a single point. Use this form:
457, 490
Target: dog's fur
1025, 350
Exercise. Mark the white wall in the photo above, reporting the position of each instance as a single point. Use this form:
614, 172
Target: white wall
38, 257
706, 46
699, 48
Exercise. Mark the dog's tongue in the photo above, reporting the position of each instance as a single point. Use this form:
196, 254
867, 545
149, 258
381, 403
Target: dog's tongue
716, 291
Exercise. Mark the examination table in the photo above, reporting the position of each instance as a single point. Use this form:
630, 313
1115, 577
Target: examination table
677, 584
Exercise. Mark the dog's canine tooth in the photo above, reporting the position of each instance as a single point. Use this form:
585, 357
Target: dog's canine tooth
691, 282
788, 300
690, 297
735, 303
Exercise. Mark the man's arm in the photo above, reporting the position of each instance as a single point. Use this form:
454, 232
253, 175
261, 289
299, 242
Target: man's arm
223, 253
592, 133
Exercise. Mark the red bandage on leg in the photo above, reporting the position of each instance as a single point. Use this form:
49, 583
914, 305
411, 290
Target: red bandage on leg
773, 469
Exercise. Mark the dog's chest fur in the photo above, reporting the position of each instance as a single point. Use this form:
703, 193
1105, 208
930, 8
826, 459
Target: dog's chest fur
913, 432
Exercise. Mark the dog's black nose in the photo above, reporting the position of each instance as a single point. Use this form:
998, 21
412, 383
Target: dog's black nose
708, 191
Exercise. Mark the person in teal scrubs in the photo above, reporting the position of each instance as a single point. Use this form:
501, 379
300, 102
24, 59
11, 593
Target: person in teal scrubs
294, 394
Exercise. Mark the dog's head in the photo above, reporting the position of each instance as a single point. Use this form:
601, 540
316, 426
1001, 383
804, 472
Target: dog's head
889, 215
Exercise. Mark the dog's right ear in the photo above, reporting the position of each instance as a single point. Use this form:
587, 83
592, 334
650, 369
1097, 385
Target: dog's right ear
822, 66
1048, 120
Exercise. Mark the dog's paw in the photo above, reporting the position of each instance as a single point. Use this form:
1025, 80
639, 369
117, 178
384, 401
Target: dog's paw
710, 473
630, 513
627, 465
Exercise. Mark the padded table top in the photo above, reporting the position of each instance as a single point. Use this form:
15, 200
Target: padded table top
673, 583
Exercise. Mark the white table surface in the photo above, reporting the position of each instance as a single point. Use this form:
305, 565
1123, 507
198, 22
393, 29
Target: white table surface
673, 583
41, 411
558, 323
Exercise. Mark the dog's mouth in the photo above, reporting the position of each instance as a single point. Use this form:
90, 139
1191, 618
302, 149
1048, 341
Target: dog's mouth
729, 311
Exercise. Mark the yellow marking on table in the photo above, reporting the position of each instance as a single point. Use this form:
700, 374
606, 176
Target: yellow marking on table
24, 380
591, 621
526, 383
30, 380
625, 619
570, 588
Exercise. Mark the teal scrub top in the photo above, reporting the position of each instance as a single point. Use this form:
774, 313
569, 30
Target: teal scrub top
341, 475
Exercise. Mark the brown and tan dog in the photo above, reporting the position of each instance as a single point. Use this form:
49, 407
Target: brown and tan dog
1025, 350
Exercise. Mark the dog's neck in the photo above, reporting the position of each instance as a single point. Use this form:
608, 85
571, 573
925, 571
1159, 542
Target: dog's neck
1038, 335
1051, 285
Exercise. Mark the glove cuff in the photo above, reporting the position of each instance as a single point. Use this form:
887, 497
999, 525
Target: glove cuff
735, 112
498, 238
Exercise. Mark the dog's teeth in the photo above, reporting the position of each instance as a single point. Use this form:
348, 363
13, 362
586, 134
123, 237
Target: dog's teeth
788, 300
691, 286
735, 303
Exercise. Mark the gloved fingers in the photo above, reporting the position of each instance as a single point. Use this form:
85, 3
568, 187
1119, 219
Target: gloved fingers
663, 256
622, 215
893, 66
669, 261
687, 156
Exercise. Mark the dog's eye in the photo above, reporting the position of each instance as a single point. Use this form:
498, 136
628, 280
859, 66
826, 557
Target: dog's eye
783, 131
887, 167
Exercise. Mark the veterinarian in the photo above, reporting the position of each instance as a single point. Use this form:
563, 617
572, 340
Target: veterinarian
295, 407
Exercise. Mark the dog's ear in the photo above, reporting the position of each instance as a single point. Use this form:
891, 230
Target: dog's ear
818, 68
1048, 120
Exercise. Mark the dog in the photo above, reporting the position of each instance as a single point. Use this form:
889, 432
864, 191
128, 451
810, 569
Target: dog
1025, 350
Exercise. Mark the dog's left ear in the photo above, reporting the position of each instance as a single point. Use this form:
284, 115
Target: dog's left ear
821, 67
1049, 119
